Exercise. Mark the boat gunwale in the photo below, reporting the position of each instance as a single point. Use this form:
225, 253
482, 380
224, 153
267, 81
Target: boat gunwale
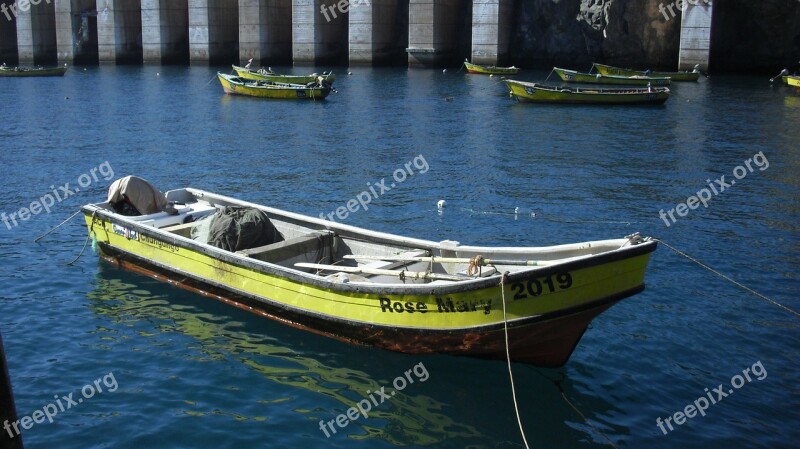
624, 251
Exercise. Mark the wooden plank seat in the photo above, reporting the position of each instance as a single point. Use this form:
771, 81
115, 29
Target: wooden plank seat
312, 247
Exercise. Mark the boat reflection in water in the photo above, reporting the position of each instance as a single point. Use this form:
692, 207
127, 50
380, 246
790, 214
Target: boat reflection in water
411, 418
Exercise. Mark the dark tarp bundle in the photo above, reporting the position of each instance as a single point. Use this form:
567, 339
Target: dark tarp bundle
235, 228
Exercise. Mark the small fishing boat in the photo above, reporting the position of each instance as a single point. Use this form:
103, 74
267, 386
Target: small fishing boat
572, 76
490, 69
793, 81
366, 287
36, 71
269, 75
235, 85
541, 93
608, 70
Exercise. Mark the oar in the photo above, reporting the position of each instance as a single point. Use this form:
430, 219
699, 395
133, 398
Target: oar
483, 262
399, 273
783, 72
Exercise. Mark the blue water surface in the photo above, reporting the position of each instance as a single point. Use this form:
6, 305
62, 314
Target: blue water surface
188, 372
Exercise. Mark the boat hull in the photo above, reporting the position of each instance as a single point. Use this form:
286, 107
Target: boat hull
674, 76
235, 86
571, 76
793, 81
538, 93
254, 75
547, 341
546, 314
22, 72
490, 70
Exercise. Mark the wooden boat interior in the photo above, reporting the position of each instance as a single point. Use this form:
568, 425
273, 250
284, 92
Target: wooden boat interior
355, 255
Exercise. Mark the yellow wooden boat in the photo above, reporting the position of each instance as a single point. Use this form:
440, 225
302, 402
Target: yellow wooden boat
490, 69
377, 289
541, 93
6, 71
266, 89
572, 76
793, 81
608, 70
269, 75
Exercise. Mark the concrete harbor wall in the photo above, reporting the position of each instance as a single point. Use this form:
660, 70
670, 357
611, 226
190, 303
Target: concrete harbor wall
658, 34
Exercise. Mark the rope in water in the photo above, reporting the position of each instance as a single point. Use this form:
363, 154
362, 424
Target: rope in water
88, 237
508, 359
738, 284
563, 395
82, 249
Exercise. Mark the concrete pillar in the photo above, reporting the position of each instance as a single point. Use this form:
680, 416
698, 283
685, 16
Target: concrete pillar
165, 31
434, 31
213, 31
119, 31
377, 31
24, 37
695, 35
36, 37
491, 31
265, 31
319, 31
8, 40
64, 33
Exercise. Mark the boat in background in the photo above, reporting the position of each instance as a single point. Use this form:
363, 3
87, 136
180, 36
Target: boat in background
366, 287
541, 93
572, 76
269, 75
793, 81
235, 85
35, 71
490, 69
608, 70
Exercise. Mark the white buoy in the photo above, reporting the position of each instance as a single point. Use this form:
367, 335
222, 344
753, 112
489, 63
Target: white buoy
349, 73
441, 204
444, 71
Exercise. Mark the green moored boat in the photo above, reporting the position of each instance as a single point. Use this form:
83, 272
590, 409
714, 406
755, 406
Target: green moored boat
235, 85
490, 69
608, 70
572, 76
269, 75
541, 93
27, 72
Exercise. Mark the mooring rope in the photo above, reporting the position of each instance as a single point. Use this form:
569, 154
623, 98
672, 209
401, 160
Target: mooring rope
738, 284
508, 359
89, 236
55, 227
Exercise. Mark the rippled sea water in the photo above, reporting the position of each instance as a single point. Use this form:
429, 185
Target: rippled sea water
191, 372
